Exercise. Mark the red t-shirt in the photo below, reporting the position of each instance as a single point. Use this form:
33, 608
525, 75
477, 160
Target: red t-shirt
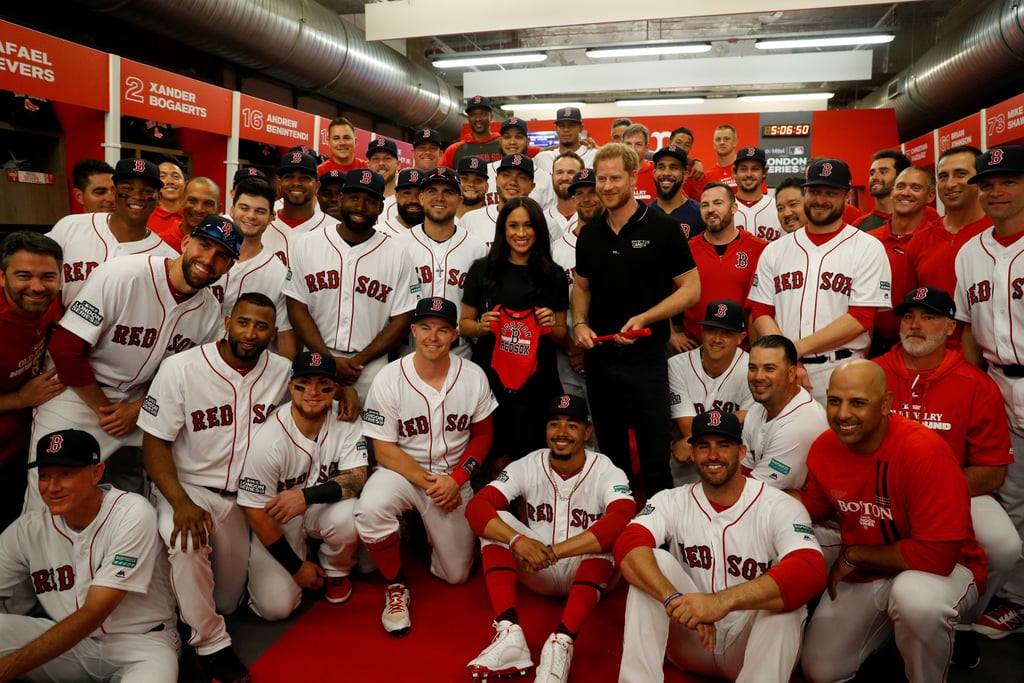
645, 191
719, 174
722, 277
332, 165
167, 224
887, 323
930, 257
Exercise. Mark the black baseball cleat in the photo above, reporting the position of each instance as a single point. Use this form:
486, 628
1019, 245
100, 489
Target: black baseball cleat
224, 666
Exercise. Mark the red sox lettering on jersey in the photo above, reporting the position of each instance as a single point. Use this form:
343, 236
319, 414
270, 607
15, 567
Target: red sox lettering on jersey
420, 424
55, 579
579, 518
834, 282
700, 557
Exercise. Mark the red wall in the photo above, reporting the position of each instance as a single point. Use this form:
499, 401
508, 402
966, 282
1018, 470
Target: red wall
83, 138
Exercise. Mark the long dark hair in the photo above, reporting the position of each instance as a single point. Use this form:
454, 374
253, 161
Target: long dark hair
542, 267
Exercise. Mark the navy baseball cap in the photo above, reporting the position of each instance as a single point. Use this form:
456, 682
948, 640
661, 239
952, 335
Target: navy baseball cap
126, 169
364, 180
477, 102
568, 114
298, 161
830, 172
751, 154
569, 406
381, 144
584, 176
442, 174
473, 164
311, 363
436, 307
335, 175
674, 151
409, 177
427, 135
724, 313
250, 172
1004, 159
67, 447
515, 122
935, 300
221, 230
518, 161
716, 422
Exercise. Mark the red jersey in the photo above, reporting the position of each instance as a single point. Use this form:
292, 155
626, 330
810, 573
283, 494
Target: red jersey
645, 191
722, 277
719, 174
332, 165
850, 214
930, 257
887, 323
515, 351
166, 224
482, 148
22, 344
957, 401
909, 489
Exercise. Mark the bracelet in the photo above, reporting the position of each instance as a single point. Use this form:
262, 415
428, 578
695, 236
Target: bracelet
579, 322
553, 552
847, 562
515, 539
671, 598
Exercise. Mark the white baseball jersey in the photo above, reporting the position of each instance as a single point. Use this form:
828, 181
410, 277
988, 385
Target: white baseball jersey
545, 160
350, 290
761, 219
389, 209
282, 458
210, 411
279, 204
441, 267
543, 193
119, 549
718, 550
431, 426
988, 296
558, 509
263, 273
563, 252
280, 238
480, 223
129, 317
557, 224
87, 242
692, 391
810, 285
391, 227
777, 449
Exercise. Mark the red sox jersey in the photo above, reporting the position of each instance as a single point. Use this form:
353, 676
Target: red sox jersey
722, 277
431, 426
761, 219
932, 253
263, 273
777, 448
280, 238
282, 458
129, 317
441, 267
811, 285
210, 411
544, 161
87, 242
557, 223
718, 550
391, 227
563, 252
351, 290
119, 549
558, 509
692, 392
480, 223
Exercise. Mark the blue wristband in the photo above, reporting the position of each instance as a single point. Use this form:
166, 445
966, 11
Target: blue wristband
671, 598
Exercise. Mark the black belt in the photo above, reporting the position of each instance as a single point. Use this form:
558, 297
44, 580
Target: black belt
222, 492
1011, 370
841, 354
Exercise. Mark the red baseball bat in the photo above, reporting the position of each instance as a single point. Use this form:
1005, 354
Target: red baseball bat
632, 334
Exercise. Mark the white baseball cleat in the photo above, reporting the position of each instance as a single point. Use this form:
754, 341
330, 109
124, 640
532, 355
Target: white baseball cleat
555, 659
507, 655
396, 610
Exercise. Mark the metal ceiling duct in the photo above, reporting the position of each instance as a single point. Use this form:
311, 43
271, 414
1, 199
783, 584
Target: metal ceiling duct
982, 60
305, 44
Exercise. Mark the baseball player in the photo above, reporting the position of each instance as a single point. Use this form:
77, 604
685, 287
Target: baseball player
29, 308
886, 164
382, 157
755, 209
166, 216
669, 176
727, 598
202, 199
475, 189
426, 149
515, 140
514, 177
89, 239
724, 141
988, 272
297, 184
300, 480
96, 566
559, 207
569, 126
351, 290
257, 269
404, 210
478, 140
429, 417
93, 186
342, 140
789, 203
328, 193
577, 504
822, 286
712, 376
909, 563
197, 434
441, 252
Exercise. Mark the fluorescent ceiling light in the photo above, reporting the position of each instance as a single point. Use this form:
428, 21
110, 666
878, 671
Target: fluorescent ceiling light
834, 41
483, 59
647, 50
787, 98
552, 106
678, 101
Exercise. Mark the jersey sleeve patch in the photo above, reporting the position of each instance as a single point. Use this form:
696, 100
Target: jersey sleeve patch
125, 561
779, 466
674, 399
648, 510
87, 312
803, 529
622, 488
373, 417
414, 288
151, 406
502, 477
252, 485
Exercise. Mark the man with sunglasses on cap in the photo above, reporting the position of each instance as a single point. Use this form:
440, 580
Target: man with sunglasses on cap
89, 239
109, 614
429, 416
727, 599
577, 503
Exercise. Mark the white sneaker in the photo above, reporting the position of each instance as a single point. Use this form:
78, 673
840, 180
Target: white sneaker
507, 655
396, 610
555, 659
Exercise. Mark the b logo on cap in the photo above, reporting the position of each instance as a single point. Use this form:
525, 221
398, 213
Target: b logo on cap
414, 177
253, 171
296, 157
997, 157
476, 99
750, 151
826, 170
714, 418
517, 159
56, 441
584, 173
563, 402
722, 310
921, 293
335, 173
513, 121
474, 163
139, 166
567, 111
225, 228
315, 360
436, 303
365, 178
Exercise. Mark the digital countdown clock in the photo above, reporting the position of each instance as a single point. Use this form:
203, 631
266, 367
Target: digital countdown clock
786, 130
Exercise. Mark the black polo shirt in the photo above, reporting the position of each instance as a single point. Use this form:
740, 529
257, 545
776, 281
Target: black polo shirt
632, 271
